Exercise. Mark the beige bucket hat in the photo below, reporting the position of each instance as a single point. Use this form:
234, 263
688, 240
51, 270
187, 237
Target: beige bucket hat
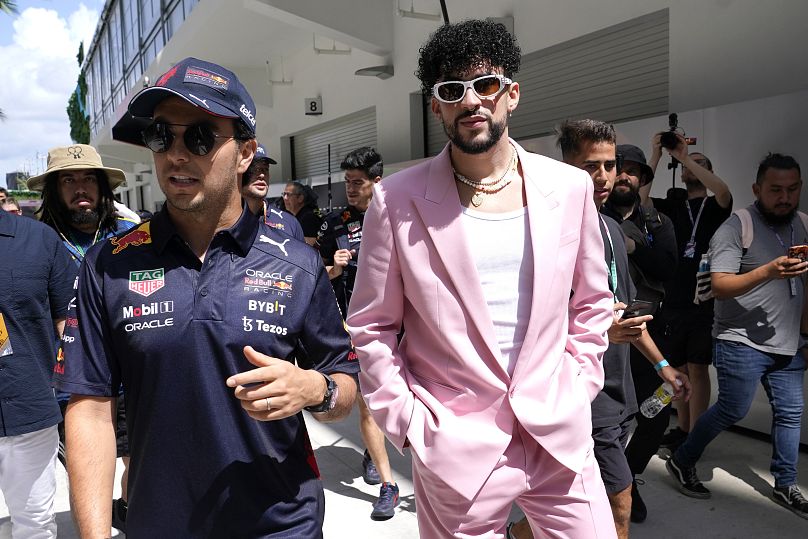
75, 157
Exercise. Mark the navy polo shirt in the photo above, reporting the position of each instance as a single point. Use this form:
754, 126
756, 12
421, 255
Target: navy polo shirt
282, 220
36, 285
172, 330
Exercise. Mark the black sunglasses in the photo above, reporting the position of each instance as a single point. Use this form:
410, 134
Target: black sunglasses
198, 138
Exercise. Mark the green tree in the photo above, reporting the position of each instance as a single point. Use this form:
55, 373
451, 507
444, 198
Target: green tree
9, 7
77, 107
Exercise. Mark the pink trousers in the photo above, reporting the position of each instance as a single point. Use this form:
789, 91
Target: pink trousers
558, 502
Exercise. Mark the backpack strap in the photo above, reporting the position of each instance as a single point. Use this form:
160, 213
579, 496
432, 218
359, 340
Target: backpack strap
747, 228
804, 219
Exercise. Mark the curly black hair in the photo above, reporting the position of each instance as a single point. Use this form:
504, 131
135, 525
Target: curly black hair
455, 48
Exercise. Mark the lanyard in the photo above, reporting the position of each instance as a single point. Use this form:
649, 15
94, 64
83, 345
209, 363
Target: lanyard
792, 284
76, 248
612, 266
776, 235
698, 218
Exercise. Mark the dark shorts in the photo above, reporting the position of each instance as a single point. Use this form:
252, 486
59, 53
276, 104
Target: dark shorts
121, 438
610, 446
685, 335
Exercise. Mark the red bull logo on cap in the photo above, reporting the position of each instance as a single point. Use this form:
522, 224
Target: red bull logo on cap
139, 236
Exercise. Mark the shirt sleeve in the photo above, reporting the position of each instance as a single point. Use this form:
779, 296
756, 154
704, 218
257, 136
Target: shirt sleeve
327, 242
727, 247
325, 337
88, 362
61, 280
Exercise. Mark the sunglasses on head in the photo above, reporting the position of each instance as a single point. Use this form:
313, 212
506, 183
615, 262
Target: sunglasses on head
452, 91
198, 138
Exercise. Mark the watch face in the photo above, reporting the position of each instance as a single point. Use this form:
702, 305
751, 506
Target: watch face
330, 397
333, 400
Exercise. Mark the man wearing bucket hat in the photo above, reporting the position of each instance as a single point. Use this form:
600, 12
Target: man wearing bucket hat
77, 202
652, 257
197, 313
77, 199
254, 189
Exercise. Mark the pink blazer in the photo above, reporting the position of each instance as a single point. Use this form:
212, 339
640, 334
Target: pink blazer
442, 388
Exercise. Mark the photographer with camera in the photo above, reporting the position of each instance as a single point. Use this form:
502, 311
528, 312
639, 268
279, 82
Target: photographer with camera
686, 326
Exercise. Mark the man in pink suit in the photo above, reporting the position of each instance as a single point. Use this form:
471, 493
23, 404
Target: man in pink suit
491, 259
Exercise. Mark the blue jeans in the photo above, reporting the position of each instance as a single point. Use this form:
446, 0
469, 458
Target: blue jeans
739, 367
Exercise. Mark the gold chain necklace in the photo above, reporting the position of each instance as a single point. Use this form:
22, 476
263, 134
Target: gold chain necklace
482, 188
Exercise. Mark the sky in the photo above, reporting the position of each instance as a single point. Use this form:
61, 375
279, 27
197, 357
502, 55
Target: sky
38, 47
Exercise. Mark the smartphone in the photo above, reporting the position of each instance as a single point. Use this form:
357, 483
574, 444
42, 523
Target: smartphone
637, 308
798, 251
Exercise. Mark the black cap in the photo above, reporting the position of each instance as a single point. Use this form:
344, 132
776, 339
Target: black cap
206, 85
261, 153
629, 152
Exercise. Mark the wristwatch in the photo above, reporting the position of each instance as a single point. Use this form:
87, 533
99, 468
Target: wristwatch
329, 399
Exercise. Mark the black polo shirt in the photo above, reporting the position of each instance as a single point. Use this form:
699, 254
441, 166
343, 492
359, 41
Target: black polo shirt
310, 220
36, 285
342, 229
172, 330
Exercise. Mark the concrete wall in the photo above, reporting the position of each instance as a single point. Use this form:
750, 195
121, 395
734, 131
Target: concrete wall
735, 137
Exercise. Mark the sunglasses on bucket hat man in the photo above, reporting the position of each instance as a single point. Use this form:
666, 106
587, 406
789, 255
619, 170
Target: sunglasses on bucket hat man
487, 86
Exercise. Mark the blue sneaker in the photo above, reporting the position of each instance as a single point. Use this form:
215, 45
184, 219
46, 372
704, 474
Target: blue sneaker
385, 506
369, 472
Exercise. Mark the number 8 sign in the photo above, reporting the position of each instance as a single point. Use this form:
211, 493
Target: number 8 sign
314, 106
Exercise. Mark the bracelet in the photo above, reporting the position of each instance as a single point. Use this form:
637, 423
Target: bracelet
662, 364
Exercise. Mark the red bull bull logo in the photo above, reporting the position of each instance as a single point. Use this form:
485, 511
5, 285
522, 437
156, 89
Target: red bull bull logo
59, 368
139, 236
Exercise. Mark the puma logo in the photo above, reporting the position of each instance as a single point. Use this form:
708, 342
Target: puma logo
203, 101
276, 212
281, 246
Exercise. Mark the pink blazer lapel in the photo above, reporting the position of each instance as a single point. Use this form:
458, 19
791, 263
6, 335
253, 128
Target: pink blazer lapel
546, 230
440, 212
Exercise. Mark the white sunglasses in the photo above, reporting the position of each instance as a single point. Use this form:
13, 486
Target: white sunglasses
487, 86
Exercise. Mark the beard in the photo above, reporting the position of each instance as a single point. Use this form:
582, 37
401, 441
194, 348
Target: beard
775, 219
623, 198
84, 217
495, 132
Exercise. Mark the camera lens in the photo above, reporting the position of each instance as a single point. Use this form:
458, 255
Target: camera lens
668, 140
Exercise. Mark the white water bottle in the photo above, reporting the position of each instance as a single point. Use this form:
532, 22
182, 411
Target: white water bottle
656, 402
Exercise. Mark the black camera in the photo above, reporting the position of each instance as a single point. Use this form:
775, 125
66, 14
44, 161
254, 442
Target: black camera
668, 139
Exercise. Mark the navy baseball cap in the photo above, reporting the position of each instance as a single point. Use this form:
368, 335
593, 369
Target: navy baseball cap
629, 152
261, 153
206, 85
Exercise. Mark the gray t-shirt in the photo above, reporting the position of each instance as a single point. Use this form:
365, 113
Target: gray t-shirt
767, 318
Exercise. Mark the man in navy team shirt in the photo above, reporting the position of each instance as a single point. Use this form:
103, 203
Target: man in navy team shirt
196, 312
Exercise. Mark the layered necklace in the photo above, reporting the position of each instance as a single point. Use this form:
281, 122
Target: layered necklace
488, 187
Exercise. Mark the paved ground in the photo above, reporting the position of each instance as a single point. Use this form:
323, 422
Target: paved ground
735, 468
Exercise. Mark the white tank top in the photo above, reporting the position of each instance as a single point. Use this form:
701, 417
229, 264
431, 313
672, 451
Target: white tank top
503, 254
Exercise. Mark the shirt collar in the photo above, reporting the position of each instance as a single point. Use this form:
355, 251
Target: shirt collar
242, 233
